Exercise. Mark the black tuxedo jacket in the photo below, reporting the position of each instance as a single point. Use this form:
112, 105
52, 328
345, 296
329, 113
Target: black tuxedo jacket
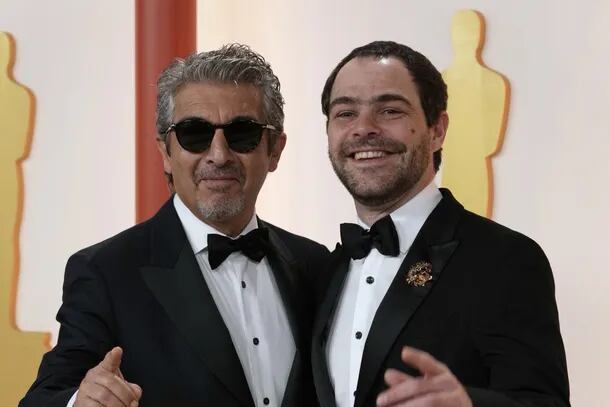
489, 314
143, 290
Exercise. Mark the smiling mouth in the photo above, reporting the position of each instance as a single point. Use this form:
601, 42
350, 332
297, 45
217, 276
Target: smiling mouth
218, 183
367, 155
228, 179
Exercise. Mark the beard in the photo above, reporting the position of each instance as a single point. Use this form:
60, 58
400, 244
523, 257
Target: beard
374, 187
223, 206
221, 209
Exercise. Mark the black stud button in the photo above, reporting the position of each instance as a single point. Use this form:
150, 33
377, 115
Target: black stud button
255, 341
265, 401
370, 280
358, 335
243, 284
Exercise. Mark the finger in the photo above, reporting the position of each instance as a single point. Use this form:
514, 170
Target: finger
89, 402
95, 394
400, 392
433, 399
413, 388
116, 386
82, 400
92, 401
134, 388
393, 377
422, 361
137, 390
112, 360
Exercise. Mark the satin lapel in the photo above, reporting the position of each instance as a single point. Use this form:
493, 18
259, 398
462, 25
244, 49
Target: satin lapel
434, 244
339, 266
182, 292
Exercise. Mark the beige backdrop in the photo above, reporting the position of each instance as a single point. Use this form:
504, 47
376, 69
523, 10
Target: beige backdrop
550, 177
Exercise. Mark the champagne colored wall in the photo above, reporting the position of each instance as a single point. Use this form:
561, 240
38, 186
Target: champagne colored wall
77, 58
550, 177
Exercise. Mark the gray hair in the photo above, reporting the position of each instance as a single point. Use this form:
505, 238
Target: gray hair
233, 63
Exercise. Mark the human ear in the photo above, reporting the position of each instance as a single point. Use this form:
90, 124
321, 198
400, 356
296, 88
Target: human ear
276, 151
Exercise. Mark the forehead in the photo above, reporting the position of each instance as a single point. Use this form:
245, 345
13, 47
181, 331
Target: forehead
217, 101
367, 77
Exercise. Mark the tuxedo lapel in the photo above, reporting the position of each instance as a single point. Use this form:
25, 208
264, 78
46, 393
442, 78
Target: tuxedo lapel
288, 273
434, 244
176, 281
286, 270
339, 263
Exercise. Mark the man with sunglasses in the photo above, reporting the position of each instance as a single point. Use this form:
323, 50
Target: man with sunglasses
427, 304
204, 304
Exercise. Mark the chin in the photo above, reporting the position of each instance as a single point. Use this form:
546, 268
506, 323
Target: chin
221, 209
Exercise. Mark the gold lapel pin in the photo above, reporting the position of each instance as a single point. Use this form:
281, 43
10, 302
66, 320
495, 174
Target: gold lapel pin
419, 274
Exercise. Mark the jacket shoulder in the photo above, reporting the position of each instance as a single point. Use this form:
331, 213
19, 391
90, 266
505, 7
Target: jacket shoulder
154, 240
124, 244
476, 227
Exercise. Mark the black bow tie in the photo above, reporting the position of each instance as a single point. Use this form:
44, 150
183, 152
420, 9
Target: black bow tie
253, 244
359, 242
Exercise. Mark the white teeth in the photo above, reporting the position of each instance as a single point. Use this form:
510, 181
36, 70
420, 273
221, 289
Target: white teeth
362, 155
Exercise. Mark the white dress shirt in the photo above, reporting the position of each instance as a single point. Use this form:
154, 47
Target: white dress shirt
366, 284
249, 302
248, 299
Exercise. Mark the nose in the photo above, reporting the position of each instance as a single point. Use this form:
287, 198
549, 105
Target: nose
365, 125
219, 153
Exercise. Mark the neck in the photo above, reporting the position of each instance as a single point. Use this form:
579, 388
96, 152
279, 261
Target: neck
371, 214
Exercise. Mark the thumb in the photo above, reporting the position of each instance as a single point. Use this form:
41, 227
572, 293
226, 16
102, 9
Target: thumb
112, 360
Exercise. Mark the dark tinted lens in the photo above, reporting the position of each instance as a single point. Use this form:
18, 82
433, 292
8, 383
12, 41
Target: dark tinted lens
243, 136
194, 135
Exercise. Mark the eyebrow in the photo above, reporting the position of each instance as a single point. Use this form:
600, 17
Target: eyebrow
386, 97
342, 100
392, 97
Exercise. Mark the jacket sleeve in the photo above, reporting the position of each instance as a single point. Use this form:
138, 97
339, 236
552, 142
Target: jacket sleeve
85, 335
519, 337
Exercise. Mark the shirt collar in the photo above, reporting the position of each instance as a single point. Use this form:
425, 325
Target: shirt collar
410, 217
197, 231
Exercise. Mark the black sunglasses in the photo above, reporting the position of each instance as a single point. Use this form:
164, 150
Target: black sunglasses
196, 135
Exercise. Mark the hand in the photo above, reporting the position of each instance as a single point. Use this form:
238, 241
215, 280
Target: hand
436, 387
104, 385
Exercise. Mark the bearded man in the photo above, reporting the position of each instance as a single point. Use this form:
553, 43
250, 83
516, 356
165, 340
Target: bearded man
425, 303
204, 304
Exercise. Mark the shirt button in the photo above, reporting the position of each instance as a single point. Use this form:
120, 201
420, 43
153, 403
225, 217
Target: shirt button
358, 335
370, 280
255, 341
265, 401
243, 284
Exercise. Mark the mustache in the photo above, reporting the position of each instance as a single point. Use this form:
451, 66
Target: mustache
379, 142
228, 171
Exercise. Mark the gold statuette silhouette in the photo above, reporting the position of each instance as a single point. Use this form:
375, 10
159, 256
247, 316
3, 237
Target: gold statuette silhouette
478, 108
20, 352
